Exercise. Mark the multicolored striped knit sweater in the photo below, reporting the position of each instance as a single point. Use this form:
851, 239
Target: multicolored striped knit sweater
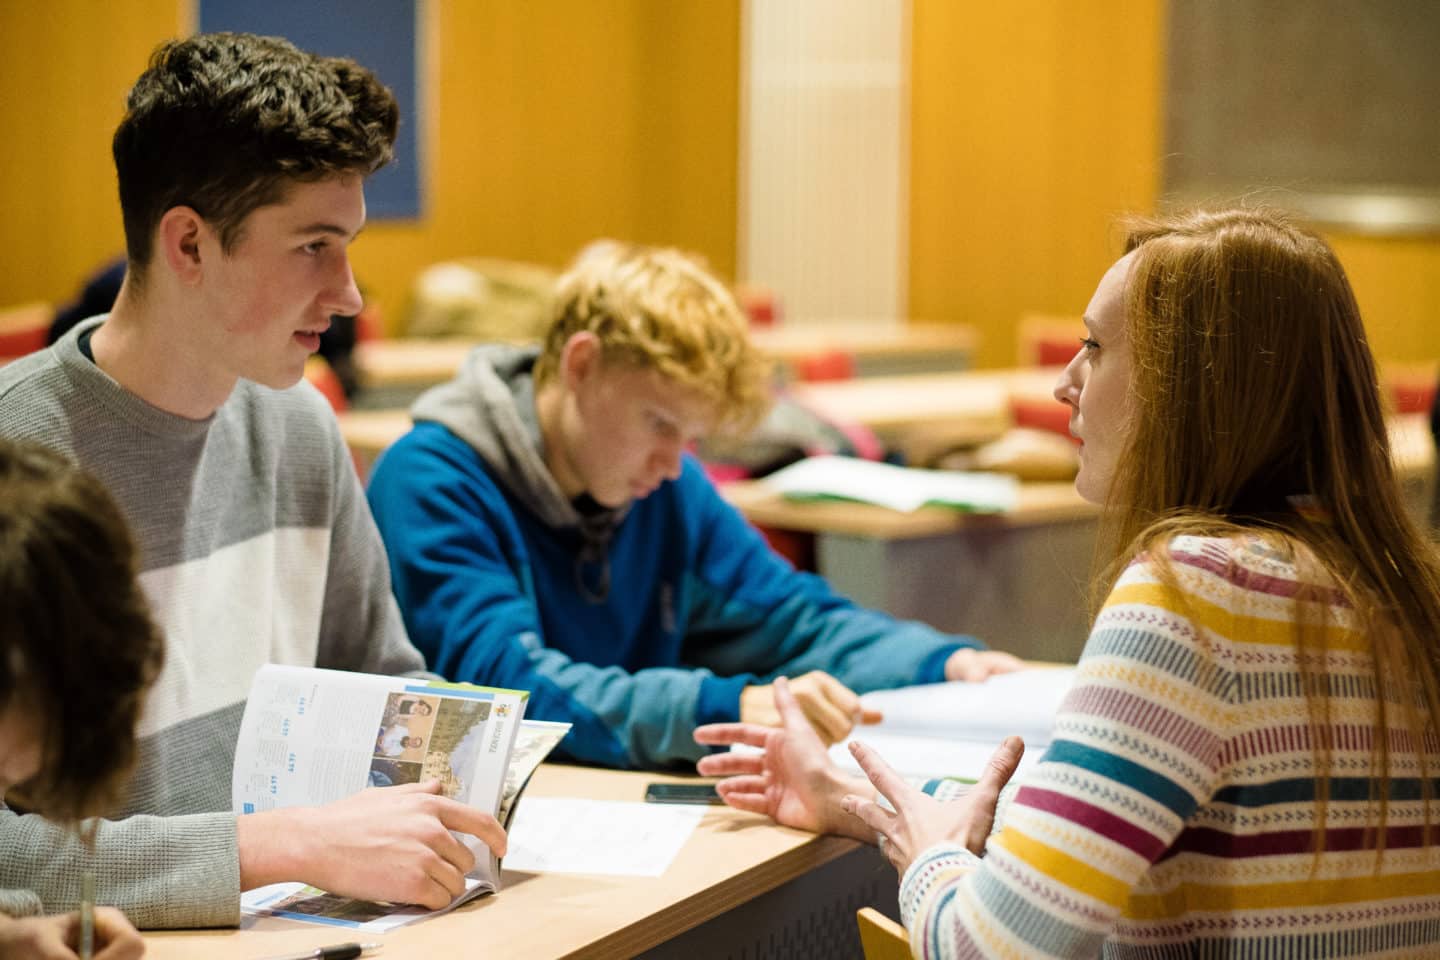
1173, 812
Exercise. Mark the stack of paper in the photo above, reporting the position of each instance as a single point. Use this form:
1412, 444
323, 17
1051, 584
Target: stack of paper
950, 729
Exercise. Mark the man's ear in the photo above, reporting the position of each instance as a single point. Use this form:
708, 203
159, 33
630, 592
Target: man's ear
579, 358
178, 241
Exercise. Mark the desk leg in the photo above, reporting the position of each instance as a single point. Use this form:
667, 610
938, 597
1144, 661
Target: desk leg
810, 918
1020, 589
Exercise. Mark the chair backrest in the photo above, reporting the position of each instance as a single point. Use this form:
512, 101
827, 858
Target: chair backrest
760, 304
1047, 340
830, 365
324, 379
24, 329
880, 937
1412, 391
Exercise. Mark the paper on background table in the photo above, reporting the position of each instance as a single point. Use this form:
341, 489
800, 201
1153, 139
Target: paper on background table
574, 835
899, 488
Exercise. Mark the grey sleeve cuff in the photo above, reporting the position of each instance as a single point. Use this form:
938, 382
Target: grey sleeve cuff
162, 872
20, 903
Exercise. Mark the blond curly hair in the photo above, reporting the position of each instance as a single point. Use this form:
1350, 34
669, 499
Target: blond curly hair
659, 308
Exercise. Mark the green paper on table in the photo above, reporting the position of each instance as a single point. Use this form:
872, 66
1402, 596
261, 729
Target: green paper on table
899, 488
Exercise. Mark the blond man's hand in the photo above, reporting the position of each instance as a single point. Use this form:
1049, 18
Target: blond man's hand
973, 665
832, 708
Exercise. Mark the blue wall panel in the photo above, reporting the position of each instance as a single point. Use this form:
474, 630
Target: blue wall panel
381, 34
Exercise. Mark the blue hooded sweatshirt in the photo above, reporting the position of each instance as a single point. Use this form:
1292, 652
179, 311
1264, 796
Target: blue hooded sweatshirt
636, 625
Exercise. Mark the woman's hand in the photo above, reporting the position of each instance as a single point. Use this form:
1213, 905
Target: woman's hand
919, 820
793, 781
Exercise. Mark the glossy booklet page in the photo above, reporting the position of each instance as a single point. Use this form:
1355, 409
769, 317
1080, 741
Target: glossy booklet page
311, 736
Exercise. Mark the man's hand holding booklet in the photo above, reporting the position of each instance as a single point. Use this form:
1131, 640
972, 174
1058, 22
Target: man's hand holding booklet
310, 737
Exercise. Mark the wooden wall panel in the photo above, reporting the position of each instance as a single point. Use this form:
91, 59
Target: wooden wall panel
1034, 124
551, 124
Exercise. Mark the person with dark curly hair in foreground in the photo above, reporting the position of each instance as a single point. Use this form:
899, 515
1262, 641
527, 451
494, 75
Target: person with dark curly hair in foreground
77, 653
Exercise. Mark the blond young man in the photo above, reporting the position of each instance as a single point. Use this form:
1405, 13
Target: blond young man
547, 530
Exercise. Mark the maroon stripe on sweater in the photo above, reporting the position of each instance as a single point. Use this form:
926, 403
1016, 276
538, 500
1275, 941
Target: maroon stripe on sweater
1217, 843
1273, 743
1103, 822
1247, 579
1157, 722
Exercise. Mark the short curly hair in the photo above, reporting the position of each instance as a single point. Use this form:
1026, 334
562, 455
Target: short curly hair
226, 122
658, 308
79, 644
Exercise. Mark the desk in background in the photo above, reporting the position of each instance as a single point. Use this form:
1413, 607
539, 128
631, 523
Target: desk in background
906, 411
1017, 581
394, 371
878, 349
368, 432
922, 415
741, 887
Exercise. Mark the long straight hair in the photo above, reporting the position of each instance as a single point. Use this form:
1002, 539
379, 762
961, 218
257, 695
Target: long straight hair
1252, 383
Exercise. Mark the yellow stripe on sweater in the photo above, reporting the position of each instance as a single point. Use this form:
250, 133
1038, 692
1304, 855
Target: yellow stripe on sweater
1074, 873
1226, 623
1279, 896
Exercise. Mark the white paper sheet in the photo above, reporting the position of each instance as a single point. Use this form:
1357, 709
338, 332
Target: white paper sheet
950, 729
572, 835
899, 488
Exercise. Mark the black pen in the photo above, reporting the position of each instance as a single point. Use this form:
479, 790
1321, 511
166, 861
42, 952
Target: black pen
338, 951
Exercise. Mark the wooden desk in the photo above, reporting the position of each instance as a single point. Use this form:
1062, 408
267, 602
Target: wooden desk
907, 411
1017, 581
391, 369
921, 414
878, 349
368, 432
738, 884
409, 362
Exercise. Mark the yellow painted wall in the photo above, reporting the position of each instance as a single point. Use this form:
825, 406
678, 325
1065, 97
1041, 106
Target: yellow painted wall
1035, 123
552, 123
1397, 281
65, 67
559, 122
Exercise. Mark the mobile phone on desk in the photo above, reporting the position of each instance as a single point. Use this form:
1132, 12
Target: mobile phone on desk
681, 793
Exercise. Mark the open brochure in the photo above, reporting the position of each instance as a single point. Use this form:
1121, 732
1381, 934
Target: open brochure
311, 737
951, 729
899, 488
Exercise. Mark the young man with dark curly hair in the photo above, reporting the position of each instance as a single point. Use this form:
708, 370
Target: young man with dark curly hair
241, 162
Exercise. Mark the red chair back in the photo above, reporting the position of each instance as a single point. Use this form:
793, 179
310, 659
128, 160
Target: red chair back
318, 372
24, 329
831, 365
1051, 415
1413, 396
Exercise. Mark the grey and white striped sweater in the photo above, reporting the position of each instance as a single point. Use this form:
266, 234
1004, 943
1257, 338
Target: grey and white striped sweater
256, 546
